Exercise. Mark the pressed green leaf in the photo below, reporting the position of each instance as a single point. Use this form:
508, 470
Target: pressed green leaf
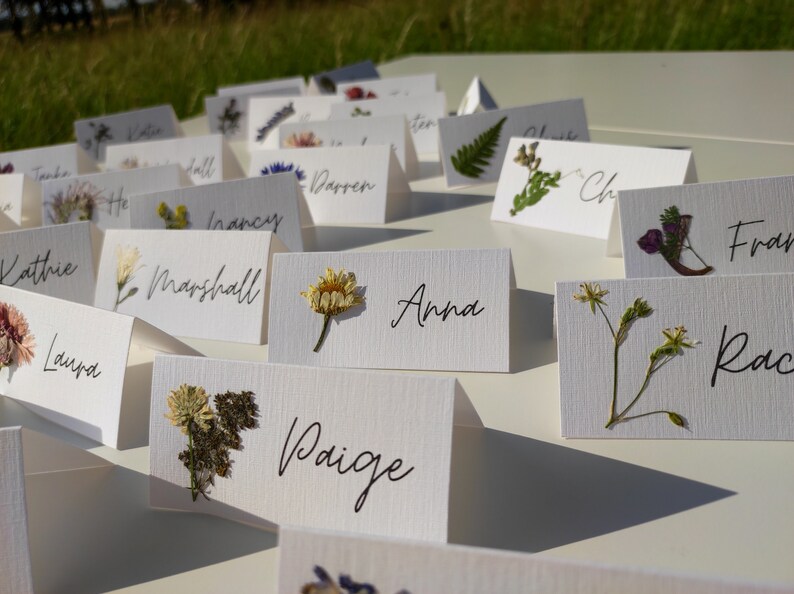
470, 159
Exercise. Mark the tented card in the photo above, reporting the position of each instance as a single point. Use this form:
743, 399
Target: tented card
423, 309
732, 227
295, 85
324, 83
103, 198
551, 184
686, 358
200, 284
56, 261
316, 560
269, 203
206, 159
20, 199
474, 146
476, 99
268, 113
393, 86
81, 367
16, 576
422, 112
386, 130
301, 462
48, 162
349, 184
141, 125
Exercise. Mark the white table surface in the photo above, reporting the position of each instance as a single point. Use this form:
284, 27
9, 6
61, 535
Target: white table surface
707, 508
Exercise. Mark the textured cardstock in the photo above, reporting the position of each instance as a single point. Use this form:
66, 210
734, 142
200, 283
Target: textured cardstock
16, 576
733, 227
55, 261
393, 565
423, 309
107, 193
140, 125
476, 99
268, 113
269, 203
735, 383
199, 284
295, 85
390, 130
480, 139
324, 83
326, 451
393, 86
421, 111
20, 199
205, 159
351, 184
48, 162
590, 177
90, 368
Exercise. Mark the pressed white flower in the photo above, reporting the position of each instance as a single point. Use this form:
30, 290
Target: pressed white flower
335, 293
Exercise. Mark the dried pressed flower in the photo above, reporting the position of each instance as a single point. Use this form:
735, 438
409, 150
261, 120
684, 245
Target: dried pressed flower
131, 163
334, 294
7, 168
189, 406
672, 240
174, 219
302, 140
592, 294
127, 264
16, 341
325, 584
357, 93
282, 167
81, 198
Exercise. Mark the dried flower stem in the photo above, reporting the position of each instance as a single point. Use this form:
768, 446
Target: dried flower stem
193, 482
326, 319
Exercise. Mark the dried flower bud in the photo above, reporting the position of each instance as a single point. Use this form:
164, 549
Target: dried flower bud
676, 419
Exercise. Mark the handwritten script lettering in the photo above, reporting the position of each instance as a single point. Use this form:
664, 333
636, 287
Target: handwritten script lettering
39, 174
417, 300
775, 242
242, 290
594, 188
322, 183
534, 132
37, 271
730, 351
243, 223
63, 361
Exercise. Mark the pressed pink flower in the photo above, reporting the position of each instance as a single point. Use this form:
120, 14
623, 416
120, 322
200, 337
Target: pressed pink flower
304, 139
16, 341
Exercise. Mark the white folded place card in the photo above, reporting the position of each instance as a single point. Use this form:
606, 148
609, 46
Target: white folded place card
292, 455
681, 358
55, 261
206, 159
294, 85
422, 309
393, 86
16, 576
572, 187
732, 227
103, 198
324, 83
421, 111
316, 561
476, 99
140, 125
228, 115
79, 366
266, 114
200, 284
20, 199
385, 130
474, 146
48, 162
347, 184
269, 203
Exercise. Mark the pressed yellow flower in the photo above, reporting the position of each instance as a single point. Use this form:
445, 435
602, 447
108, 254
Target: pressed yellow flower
335, 293
127, 259
189, 404
592, 294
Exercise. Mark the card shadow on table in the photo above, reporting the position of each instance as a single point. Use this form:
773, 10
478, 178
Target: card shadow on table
516, 493
422, 204
82, 520
532, 341
336, 239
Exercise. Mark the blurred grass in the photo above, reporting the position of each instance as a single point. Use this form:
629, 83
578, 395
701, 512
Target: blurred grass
180, 56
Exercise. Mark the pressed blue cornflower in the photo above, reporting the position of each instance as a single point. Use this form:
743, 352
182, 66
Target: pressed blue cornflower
353, 587
282, 167
322, 575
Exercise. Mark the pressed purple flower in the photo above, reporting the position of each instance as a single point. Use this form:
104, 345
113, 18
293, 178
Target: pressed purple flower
321, 574
282, 167
670, 228
7, 168
651, 241
353, 587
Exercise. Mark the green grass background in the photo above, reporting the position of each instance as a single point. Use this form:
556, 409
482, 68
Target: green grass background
179, 56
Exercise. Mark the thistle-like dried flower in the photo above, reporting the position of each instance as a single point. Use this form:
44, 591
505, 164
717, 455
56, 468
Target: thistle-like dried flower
16, 341
334, 294
302, 140
127, 264
189, 407
81, 198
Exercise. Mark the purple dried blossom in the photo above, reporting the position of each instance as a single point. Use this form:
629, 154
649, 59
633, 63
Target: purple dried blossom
651, 241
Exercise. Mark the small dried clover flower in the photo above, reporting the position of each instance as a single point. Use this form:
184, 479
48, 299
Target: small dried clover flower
189, 405
334, 294
16, 341
592, 294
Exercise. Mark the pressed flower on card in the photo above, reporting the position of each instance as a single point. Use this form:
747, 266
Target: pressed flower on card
325, 584
80, 198
334, 294
671, 241
127, 264
358, 93
7, 168
282, 167
16, 341
302, 140
229, 120
101, 135
276, 119
174, 219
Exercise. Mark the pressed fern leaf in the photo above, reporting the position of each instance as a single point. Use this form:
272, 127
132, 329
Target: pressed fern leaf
470, 159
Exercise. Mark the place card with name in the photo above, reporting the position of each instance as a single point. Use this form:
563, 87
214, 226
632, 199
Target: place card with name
206, 159
20, 199
677, 358
474, 146
56, 261
270, 203
268, 113
572, 187
387, 130
298, 459
324, 83
731, 227
48, 162
313, 560
393, 86
80, 367
421, 111
198, 284
422, 309
476, 99
15, 564
140, 125
295, 85
347, 184
103, 198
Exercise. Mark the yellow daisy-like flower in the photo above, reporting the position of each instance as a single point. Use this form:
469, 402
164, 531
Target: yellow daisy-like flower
335, 293
189, 404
